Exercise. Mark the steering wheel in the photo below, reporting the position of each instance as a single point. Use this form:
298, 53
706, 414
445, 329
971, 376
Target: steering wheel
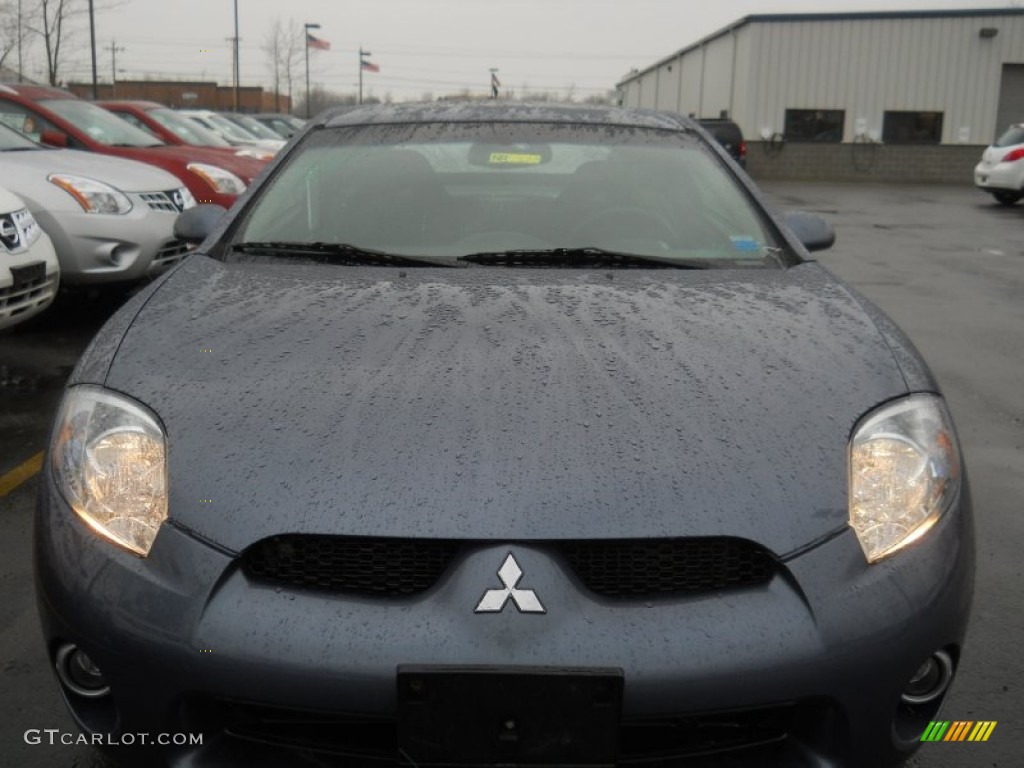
620, 225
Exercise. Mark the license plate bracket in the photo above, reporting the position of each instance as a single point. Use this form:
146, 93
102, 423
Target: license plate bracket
460, 715
27, 274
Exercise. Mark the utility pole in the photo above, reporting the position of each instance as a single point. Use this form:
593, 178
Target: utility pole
361, 54
114, 50
236, 55
92, 43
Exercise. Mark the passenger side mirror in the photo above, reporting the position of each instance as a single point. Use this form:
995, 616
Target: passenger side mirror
54, 139
814, 232
196, 224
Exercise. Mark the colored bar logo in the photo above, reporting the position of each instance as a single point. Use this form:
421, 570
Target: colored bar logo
958, 730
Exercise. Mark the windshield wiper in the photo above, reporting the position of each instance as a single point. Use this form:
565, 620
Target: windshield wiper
336, 253
574, 257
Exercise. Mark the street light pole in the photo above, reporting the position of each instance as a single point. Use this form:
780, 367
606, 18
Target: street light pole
305, 40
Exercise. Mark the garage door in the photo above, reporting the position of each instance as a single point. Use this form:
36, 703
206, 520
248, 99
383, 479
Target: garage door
1011, 97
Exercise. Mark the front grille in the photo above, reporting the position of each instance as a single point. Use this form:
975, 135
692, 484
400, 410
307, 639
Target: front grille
652, 567
630, 568
171, 252
18, 230
381, 567
656, 740
347, 737
355, 740
32, 294
170, 201
26, 222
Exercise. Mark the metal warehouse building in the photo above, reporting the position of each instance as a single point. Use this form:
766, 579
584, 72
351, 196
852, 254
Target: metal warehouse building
903, 95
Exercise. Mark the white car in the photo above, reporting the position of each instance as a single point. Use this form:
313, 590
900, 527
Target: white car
110, 219
1001, 170
29, 272
230, 131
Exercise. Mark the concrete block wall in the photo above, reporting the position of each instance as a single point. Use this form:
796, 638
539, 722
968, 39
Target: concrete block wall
936, 164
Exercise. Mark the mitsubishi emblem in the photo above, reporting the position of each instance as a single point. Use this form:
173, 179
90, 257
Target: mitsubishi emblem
494, 600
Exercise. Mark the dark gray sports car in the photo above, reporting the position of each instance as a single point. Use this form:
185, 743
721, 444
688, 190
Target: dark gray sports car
503, 435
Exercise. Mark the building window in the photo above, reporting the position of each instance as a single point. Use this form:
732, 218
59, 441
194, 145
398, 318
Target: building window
824, 125
912, 127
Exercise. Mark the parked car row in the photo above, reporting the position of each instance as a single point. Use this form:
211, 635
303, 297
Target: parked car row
91, 191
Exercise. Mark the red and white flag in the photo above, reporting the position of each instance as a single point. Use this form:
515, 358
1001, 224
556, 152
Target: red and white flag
316, 42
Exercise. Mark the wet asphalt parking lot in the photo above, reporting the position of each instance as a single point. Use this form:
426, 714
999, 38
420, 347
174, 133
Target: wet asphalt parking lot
945, 262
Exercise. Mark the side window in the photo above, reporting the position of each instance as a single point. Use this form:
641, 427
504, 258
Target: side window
24, 120
29, 122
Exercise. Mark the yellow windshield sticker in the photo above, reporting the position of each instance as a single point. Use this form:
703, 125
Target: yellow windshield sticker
514, 158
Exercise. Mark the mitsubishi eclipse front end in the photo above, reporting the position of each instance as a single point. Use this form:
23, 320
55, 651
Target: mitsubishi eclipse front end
494, 436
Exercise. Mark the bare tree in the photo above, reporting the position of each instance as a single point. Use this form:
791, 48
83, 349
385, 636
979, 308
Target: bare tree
13, 28
54, 19
283, 45
8, 30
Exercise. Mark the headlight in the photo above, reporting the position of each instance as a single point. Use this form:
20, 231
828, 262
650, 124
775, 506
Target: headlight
110, 461
94, 196
904, 473
224, 182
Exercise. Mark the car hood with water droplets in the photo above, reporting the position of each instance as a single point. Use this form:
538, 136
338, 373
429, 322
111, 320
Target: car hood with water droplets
505, 404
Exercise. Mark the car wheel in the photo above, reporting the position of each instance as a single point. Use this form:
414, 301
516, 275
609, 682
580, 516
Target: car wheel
1007, 198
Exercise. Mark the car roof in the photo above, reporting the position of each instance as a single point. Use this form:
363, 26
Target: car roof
130, 103
36, 92
474, 112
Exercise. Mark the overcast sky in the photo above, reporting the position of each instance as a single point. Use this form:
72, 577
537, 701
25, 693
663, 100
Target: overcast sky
432, 46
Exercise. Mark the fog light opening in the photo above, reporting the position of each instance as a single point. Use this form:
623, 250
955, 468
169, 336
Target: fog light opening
930, 680
116, 255
79, 673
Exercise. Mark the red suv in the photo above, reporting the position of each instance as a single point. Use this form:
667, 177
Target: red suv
60, 119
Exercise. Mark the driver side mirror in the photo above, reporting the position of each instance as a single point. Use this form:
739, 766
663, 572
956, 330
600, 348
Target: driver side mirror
196, 224
814, 232
54, 139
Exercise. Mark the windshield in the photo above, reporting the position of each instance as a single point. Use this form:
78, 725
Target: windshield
255, 127
456, 190
99, 125
11, 140
188, 131
1015, 135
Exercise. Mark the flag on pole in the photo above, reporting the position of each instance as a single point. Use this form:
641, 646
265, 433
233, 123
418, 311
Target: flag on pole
317, 43
367, 66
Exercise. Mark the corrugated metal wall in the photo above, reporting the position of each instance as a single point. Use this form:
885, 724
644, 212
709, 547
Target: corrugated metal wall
862, 66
